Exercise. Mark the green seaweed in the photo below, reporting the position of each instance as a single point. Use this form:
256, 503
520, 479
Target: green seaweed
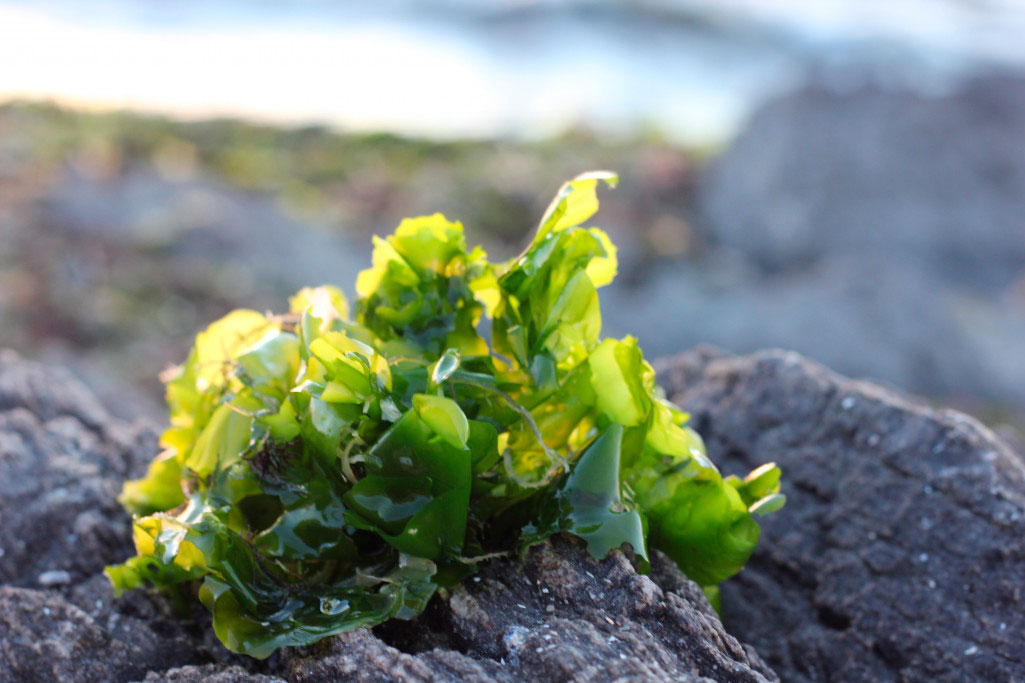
324, 472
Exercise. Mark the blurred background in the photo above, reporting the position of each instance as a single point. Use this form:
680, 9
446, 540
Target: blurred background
842, 177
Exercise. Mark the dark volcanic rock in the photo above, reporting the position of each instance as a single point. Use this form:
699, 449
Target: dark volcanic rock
45, 638
562, 616
900, 553
62, 460
210, 673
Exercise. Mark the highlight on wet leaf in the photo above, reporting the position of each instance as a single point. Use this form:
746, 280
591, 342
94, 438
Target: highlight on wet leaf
331, 467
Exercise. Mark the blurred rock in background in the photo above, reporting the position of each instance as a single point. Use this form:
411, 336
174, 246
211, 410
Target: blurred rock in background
122, 235
882, 233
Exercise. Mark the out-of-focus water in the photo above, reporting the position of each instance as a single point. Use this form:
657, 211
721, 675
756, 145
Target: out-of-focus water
477, 68
455, 68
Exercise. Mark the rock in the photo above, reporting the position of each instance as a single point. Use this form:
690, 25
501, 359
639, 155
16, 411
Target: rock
561, 615
899, 554
362, 656
935, 184
564, 616
897, 558
54, 577
859, 229
867, 319
114, 273
45, 638
210, 673
62, 460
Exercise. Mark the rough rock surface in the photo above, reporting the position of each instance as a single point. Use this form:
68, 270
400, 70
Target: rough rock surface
210, 673
61, 463
62, 460
564, 616
899, 554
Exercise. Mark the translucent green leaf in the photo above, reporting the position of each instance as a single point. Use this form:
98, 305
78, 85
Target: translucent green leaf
417, 489
222, 441
706, 528
221, 344
574, 322
617, 374
602, 269
271, 363
444, 416
429, 243
593, 504
327, 303
576, 201
283, 425
160, 489
768, 504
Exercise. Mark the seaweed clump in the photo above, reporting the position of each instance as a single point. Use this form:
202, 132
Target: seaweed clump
328, 469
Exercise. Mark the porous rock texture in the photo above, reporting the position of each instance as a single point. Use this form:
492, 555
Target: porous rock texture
901, 552
62, 460
560, 615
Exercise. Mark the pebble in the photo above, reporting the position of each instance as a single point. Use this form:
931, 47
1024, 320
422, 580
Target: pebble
514, 638
54, 577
